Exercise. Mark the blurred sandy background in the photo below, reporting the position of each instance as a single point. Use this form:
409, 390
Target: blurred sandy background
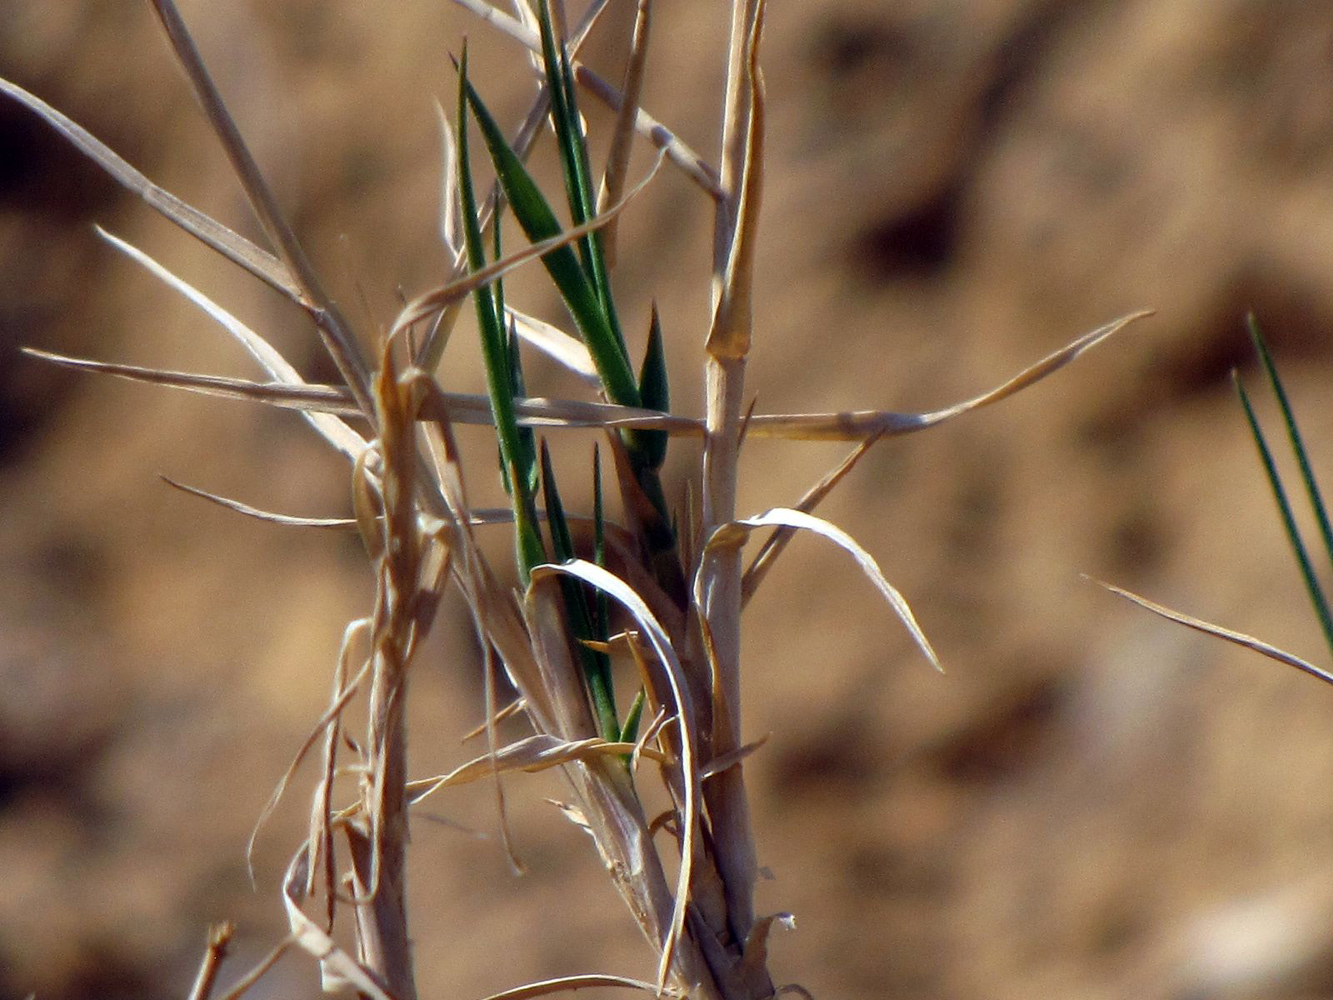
1090, 804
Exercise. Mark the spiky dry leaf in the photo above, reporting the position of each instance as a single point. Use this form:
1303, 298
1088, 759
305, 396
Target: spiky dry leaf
1208, 628
736, 533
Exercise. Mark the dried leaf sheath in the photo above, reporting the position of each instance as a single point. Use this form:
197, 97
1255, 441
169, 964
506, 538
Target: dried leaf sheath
401, 611
718, 587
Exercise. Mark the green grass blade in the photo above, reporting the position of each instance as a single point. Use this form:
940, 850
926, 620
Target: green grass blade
568, 130
1288, 520
497, 250
601, 610
534, 214
1294, 436
596, 665
499, 370
602, 623
527, 443
630, 733
591, 245
654, 391
527, 440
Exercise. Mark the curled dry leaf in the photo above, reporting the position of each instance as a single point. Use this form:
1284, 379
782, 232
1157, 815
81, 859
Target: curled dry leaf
736, 533
538, 752
338, 968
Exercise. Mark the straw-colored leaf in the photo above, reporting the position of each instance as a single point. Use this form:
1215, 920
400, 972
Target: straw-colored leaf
539, 412
462, 408
207, 230
451, 220
729, 335
778, 541
333, 329
854, 425
617, 159
619, 591
728, 760
329, 427
569, 352
338, 968
571, 984
339, 523
539, 752
736, 533
1208, 628
293, 396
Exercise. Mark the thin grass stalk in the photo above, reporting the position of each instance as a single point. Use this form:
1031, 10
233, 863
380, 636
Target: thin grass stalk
336, 333
727, 348
380, 859
219, 943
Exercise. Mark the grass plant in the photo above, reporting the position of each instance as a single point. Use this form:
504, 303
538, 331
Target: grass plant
652, 604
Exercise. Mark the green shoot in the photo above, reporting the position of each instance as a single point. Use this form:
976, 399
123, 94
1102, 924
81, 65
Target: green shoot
1312, 586
516, 461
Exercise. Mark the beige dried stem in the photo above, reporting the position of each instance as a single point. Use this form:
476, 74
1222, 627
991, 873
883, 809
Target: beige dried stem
719, 572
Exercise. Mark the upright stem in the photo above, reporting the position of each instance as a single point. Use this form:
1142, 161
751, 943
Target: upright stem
728, 347
381, 864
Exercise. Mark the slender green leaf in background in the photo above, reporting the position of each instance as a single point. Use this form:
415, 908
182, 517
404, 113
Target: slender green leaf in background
1294, 436
1284, 505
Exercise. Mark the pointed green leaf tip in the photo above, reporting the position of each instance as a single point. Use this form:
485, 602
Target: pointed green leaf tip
1284, 509
538, 221
1312, 491
568, 125
654, 391
516, 461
